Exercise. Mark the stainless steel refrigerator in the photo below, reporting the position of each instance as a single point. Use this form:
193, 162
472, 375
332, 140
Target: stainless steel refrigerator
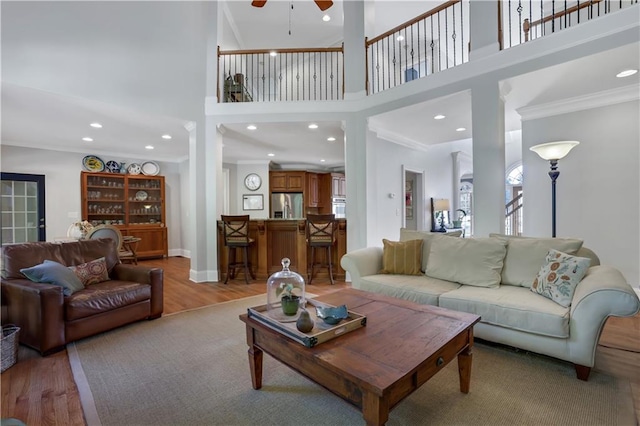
287, 205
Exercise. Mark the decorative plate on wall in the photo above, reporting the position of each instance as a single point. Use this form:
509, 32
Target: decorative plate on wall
150, 168
113, 166
93, 163
134, 169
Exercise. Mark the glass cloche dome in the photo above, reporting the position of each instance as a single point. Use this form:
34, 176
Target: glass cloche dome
285, 294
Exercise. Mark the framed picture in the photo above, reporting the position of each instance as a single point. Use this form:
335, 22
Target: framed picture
252, 202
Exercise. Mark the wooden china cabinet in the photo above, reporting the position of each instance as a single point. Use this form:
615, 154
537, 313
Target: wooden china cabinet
133, 203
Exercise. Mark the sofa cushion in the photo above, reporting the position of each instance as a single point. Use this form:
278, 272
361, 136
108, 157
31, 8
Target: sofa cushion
416, 288
525, 256
401, 257
104, 297
91, 272
511, 307
54, 273
427, 237
559, 277
471, 261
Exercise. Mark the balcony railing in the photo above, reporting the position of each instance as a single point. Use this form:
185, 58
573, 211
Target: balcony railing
431, 42
527, 20
280, 75
513, 216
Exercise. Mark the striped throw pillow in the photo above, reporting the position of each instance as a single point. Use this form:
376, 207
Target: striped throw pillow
402, 257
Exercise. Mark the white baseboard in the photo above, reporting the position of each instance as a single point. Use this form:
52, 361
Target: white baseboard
203, 276
180, 253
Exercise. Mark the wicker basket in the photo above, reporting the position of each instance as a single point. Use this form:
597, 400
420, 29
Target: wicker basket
9, 346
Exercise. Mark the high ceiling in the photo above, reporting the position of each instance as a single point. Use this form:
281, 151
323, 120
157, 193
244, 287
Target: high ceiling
128, 58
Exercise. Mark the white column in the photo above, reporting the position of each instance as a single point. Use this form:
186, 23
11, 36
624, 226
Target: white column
205, 168
354, 53
483, 28
487, 108
356, 176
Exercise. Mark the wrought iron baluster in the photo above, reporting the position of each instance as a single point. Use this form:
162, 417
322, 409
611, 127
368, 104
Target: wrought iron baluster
453, 34
433, 58
446, 37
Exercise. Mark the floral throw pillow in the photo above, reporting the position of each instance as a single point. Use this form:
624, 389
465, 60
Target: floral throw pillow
559, 276
92, 272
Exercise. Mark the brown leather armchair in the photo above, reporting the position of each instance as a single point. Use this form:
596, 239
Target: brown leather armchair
49, 320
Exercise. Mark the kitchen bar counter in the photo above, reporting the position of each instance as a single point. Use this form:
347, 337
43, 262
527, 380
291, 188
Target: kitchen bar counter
278, 238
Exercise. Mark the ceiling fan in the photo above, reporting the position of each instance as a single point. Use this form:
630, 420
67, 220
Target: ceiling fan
322, 4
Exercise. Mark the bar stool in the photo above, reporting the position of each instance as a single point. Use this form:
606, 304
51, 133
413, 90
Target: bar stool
236, 236
321, 233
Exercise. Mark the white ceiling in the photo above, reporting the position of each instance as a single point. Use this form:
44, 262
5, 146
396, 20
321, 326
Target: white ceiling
33, 117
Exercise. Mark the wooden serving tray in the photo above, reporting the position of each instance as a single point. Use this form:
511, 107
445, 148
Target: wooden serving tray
321, 331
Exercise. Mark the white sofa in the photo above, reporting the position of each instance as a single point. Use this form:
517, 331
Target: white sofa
511, 313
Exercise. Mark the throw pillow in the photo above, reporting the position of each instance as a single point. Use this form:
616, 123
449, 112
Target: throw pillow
401, 257
91, 272
559, 276
427, 237
54, 273
471, 261
526, 254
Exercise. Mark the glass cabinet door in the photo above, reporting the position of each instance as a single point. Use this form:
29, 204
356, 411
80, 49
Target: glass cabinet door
145, 201
105, 199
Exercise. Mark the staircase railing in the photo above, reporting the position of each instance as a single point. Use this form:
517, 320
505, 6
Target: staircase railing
527, 20
431, 42
272, 75
513, 216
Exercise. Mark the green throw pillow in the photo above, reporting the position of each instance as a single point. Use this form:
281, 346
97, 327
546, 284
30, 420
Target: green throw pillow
54, 273
559, 276
401, 258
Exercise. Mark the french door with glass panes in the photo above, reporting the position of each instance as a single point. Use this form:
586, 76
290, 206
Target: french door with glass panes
22, 203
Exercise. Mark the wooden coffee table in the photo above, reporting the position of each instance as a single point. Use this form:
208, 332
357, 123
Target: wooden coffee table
374, 367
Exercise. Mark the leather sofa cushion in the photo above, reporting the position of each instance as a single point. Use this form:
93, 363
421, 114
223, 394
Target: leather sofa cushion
419, 289
511, 307
103, 297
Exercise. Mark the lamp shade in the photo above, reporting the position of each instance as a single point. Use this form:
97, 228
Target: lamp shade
554, 150
441, 204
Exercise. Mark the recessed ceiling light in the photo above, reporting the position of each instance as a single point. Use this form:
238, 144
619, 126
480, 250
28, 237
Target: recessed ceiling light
271, 154
331, 139
251, 127
313, 126
273, 53
439, 117
149, 147
626, 73
166, 136
461, 129
96, 125
87, 139
326, 18
322, 160
400, 38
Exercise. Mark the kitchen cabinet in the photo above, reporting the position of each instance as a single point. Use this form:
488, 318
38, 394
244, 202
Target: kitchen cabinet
135, 204
338, 185
312, 195
286, 181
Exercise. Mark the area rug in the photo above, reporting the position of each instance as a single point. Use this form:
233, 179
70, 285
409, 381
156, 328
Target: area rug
192, 368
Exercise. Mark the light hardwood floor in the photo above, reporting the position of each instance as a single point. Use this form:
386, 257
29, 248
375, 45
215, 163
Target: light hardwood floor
41, 391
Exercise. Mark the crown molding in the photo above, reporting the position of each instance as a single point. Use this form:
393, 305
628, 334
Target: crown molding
396, 138
580, 103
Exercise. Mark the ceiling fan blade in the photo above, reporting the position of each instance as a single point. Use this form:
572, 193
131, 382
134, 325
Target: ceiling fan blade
258, 3
324, 4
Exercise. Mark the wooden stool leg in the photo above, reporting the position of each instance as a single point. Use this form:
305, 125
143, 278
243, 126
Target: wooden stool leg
330, 260
245, 255
253, 275
313, 262
230, 259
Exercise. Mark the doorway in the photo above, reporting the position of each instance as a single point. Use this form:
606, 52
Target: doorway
23, 212
413, 200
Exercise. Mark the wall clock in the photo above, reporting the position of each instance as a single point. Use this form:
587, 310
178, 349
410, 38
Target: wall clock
253, 181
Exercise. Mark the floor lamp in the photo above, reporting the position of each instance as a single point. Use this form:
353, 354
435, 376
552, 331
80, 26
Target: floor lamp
553, 151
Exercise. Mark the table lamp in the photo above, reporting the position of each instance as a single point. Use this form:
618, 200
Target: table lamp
441, 205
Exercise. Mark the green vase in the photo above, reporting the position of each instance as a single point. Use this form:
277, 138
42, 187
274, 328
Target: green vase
290, 305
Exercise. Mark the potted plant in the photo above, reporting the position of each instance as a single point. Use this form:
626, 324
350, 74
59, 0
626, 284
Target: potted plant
288, 299
461, 216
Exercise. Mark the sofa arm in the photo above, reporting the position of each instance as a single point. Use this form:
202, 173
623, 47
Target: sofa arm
38, 309
603, 292
361, 263
145, 275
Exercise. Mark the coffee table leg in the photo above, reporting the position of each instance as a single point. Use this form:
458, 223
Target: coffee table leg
464, 369
255, 364
375, 410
